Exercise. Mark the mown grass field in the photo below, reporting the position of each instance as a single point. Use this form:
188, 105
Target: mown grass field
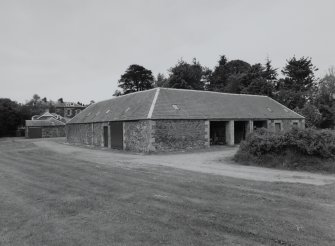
53, 198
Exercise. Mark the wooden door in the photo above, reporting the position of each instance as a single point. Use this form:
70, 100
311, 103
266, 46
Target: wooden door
35, 132
116, 135
105, 136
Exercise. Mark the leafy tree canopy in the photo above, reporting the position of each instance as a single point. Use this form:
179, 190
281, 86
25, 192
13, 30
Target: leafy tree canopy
188, 76
9, 117
161, 81
238, 76
299, 74
325, 99
136, 78
299, 83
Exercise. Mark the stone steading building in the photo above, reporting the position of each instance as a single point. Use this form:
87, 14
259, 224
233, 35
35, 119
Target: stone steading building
46, 128
164, 119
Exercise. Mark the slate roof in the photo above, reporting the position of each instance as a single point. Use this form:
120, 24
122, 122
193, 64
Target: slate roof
44, 116
167, 103
49, 122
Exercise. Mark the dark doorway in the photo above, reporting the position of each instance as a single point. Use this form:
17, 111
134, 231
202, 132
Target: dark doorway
35, 132
116, 135
239, 131
218, 132
260, 124
105, 136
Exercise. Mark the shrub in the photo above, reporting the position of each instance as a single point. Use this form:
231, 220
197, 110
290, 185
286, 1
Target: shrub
295, 149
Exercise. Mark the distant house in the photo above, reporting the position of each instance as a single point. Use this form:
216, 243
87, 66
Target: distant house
164, 119
47, 115
47, 125
68, 109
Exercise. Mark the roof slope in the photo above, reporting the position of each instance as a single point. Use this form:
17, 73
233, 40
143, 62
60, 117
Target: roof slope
133, 106
166, 103
193, 104
49, 122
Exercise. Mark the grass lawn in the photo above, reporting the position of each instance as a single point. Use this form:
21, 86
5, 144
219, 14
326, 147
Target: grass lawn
52, 198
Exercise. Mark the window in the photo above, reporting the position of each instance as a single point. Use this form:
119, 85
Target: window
278, 127
295, 124
175, 106
78, 111
68, 112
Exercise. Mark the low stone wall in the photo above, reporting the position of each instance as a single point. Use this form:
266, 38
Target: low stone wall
170, 135
137, 135
53, 131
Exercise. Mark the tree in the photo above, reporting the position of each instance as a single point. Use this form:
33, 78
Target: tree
325, 99
161, 81
260, 80
36, 98
228, 76
36, 105
295, 89
60, 100
238, 76
188, 76
136, 78
9, 117
117, 93
312, 115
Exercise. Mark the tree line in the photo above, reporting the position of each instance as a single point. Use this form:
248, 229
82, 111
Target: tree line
13, 115
295, 85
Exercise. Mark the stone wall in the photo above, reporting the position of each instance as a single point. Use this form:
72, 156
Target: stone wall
87, 134
53, 131
98, 133
285, 124
79, 133
169, 135
137, 135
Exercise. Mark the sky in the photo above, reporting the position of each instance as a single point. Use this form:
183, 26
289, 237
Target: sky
77, 49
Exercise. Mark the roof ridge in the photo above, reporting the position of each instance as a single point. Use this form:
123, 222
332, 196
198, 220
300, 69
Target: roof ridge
56, 120
216, 92
129, 94
153, 104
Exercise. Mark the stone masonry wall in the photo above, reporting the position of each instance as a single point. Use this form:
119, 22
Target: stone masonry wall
98, 133
88, 134
286, 124
137, 135
79, 133
53, 131
169, 135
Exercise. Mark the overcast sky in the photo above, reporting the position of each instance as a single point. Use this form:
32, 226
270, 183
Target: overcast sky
78, 49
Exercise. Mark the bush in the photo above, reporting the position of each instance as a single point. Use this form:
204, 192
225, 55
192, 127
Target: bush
305, 149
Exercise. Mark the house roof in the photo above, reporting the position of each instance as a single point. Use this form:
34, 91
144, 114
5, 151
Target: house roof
69, 105
48, 122
167, 103
45, 116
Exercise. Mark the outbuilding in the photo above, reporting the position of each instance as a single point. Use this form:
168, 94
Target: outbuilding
164, 119
45, 128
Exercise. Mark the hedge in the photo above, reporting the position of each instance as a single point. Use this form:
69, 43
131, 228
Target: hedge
295, 148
